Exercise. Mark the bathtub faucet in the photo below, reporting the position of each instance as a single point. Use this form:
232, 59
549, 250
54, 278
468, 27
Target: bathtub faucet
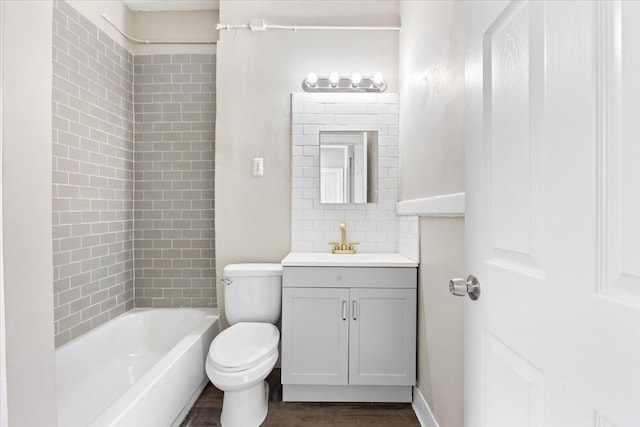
343, 247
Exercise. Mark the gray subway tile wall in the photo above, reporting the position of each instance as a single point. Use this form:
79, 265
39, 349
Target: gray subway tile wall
111, 194
174, 97
92, 175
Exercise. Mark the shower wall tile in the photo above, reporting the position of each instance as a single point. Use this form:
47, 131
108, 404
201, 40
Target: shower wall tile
92, 175
174, 97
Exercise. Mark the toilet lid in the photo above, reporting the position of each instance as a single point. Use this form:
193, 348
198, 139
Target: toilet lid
243, 346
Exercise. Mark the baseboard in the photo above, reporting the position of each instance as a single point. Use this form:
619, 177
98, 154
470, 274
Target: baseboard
422, 410
346, 393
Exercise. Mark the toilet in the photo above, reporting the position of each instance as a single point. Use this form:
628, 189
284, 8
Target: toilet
243, 355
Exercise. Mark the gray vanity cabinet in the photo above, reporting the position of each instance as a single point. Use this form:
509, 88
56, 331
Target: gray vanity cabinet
348, 333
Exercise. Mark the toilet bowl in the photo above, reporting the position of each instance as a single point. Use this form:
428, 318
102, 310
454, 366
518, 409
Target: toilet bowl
239, 360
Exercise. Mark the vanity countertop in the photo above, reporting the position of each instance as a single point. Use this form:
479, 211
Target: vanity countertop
323, 259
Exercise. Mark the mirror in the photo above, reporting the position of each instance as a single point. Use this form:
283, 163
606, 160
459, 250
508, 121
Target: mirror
348, 166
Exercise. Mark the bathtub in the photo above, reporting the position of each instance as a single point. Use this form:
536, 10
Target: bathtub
144, 368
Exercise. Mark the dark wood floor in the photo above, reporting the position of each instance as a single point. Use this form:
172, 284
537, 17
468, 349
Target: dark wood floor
206, 411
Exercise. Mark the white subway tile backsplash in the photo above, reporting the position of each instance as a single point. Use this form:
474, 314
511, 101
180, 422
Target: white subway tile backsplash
301, 246
358, 108
310, 193
311, 150
302, 161
304, 140
311, 172
335, 108
316, 224
310, 129
388, 98
302, 118
311, 108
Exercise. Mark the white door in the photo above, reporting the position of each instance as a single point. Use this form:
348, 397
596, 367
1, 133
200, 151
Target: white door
553, 214
332, 185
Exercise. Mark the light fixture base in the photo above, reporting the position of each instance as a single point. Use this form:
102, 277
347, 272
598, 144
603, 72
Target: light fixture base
344, 84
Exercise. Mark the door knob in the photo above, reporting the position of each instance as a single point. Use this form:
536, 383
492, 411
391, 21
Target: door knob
461, 287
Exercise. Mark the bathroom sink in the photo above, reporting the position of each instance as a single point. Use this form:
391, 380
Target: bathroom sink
321, 259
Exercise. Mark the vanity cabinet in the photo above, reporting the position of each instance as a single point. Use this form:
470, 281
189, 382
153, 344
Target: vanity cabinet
348, 333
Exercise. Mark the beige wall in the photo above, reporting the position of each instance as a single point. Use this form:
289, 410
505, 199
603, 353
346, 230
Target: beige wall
257, 72
432, 97
432, 163
176, 25
26, 210
440, 319
117, 12
169, 25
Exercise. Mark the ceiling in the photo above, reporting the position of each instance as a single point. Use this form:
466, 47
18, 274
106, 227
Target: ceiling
163, 5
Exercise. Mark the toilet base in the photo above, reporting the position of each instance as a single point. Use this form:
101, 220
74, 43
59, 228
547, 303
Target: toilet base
245, 408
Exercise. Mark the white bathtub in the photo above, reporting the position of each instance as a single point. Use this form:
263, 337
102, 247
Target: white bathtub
144, 368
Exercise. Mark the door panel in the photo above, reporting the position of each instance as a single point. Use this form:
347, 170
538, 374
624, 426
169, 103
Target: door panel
513, 127
514, 388
315, 336
382, 334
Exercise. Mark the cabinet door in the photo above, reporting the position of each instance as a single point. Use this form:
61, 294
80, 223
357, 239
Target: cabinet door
315, 335
382, 348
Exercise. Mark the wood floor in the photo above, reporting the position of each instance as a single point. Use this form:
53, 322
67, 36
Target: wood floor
206, 411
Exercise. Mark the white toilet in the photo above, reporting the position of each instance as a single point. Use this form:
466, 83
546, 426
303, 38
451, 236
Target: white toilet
242, 356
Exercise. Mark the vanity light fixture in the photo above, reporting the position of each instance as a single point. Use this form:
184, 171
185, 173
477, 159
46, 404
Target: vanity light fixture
337, 83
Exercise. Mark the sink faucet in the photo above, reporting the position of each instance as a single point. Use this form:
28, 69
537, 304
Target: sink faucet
343, 247
343, 229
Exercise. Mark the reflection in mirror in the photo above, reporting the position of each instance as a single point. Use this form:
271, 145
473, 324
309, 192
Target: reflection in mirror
348, 166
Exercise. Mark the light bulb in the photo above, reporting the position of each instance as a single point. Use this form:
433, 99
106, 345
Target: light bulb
378, 78
312, 79
356, 78
334, 78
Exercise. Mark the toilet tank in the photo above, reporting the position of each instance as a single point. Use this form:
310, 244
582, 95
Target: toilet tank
252, 292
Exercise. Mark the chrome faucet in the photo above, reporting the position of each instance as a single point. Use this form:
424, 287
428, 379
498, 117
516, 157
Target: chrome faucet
343, 247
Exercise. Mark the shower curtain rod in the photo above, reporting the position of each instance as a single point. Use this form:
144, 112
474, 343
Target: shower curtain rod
263, 26
140, 41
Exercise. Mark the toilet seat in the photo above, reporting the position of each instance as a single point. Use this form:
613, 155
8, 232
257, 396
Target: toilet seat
243, 346
238, 381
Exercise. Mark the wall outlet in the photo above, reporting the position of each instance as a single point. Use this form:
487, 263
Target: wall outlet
258, 166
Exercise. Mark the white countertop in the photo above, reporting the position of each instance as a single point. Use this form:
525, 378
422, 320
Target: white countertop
324, 259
